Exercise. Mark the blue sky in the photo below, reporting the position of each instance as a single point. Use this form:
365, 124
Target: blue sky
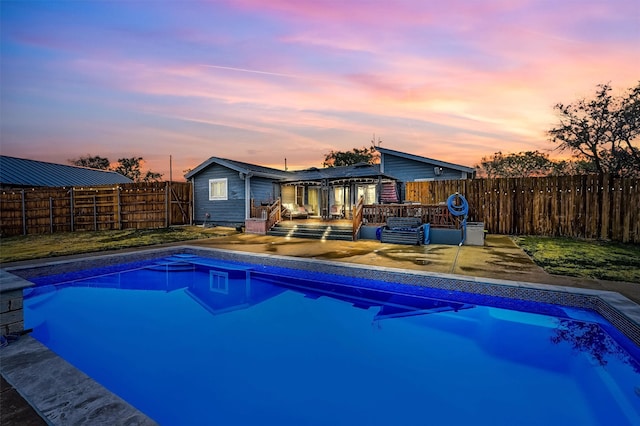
261, 81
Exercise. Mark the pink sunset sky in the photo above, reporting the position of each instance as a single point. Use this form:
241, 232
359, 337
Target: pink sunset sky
260, 81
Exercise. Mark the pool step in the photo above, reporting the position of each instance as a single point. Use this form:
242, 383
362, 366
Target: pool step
171, 267
297, 229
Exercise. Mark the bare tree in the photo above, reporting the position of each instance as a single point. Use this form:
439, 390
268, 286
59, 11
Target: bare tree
602, 131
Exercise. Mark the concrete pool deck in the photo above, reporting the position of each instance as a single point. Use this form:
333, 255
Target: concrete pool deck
499, 259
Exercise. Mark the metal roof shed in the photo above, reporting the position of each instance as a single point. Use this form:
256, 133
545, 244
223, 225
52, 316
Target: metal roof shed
20, 172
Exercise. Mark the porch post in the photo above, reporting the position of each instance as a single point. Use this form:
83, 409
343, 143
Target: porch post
247, 196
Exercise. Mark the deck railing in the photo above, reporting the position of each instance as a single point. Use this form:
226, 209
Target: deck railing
274, 214
437, 215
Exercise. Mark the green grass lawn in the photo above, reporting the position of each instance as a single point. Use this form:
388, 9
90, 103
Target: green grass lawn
584, 258
41, 246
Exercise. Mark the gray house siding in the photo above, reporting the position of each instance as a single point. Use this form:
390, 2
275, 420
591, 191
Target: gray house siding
263, 190
408, 170
222, 212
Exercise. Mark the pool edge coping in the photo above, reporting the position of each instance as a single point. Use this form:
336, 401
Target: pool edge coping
616, 300
61, 393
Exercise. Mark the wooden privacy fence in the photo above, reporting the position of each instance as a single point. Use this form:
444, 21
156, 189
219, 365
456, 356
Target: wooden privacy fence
125, 206
592, 206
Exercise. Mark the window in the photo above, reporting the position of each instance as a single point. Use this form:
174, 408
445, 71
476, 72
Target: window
288, 195
218, 189
338, 195
219, 282
368, 192
300, 195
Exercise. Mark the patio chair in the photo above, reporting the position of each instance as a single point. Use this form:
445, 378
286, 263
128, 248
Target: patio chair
337, 211
309, 209
291, 211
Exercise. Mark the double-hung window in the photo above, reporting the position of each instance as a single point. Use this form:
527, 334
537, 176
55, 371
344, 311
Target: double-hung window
218, 189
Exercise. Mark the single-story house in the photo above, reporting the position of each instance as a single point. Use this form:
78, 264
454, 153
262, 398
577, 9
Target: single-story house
24, 173
225, 190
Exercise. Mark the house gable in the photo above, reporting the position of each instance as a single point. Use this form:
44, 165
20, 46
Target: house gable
409, 168
240, 167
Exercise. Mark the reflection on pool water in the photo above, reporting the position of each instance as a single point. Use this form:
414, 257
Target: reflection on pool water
191, 340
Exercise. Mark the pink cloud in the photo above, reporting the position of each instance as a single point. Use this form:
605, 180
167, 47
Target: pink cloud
451, 80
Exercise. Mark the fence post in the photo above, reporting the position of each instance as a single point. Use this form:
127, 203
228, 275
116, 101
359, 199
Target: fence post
166, 204
24, 214
170, 195
118, 213
192, 202
71, 207
95, 214
51, 215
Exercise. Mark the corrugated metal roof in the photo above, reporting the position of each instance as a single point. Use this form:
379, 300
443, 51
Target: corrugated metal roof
22, 172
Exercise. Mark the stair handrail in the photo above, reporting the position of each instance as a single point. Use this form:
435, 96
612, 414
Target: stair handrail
274, 214
357, 218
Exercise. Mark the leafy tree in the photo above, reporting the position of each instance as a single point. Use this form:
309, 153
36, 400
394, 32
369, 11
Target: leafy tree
573, 167
347, 158
151, 176
129, 167
96, 162
522, 164
602, 131
132, 168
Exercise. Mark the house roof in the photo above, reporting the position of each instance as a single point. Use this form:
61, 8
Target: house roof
430, 161
240, 167
352, 172
355, 171
31, 173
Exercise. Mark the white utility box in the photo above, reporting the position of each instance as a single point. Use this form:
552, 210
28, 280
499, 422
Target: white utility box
475, 234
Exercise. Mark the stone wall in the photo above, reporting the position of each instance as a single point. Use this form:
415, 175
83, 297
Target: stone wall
11, 312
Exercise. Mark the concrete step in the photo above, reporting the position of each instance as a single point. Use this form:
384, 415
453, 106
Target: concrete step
313, 231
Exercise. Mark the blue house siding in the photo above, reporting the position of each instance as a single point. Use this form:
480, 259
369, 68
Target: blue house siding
222, 212
263, 190
408, 170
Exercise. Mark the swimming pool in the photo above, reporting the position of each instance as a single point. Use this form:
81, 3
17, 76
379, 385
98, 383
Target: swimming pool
190, 339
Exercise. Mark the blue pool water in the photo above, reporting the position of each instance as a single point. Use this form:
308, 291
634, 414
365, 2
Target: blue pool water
191, 341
